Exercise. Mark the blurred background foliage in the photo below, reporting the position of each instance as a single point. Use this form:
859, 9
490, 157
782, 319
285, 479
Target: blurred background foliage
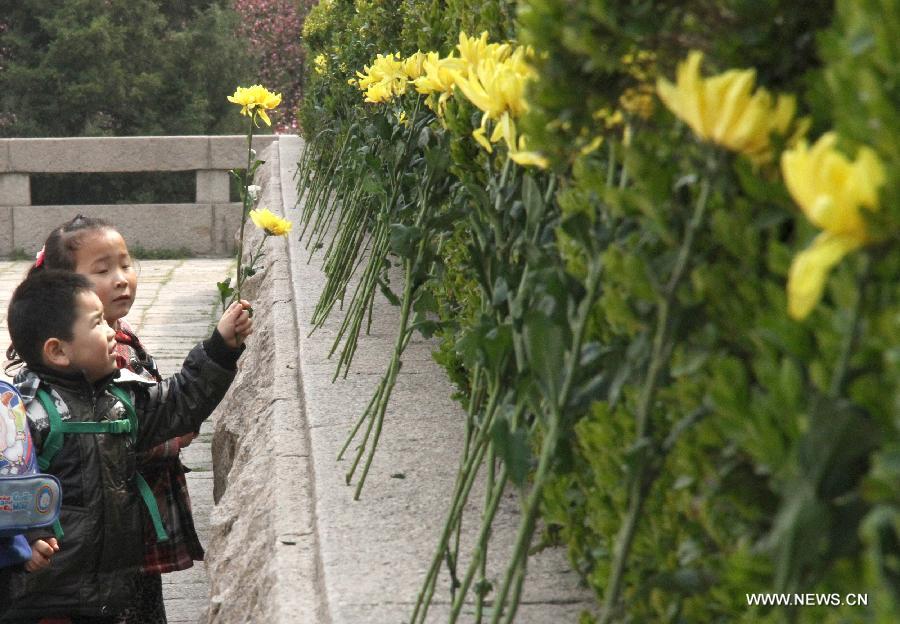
144, 67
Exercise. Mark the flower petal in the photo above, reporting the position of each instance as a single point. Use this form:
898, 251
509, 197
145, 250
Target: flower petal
809, 270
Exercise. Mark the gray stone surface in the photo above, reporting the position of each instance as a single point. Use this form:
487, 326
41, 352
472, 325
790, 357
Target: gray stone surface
263, 549
118, 154
6, 239
213, 187
15, 189
151, 226
205, 227
4, 156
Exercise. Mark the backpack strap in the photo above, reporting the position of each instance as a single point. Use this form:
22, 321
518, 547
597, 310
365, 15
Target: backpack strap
123, 397
54, 441
143, 486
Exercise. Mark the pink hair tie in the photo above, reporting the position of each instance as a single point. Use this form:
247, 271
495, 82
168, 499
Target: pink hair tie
39, 258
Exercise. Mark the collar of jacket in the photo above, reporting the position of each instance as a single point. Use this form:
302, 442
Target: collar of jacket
75, 382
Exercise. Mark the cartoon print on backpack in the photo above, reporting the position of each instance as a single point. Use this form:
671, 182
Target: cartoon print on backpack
16, 451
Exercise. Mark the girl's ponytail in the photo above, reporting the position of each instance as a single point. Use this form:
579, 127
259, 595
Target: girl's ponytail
13, 361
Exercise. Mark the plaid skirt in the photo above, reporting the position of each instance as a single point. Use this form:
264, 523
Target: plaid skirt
166, 479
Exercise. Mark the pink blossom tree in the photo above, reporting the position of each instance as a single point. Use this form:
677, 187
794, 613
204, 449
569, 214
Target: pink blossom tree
272, 30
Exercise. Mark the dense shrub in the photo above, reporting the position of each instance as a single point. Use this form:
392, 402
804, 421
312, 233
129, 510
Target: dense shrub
83, 68
619, 329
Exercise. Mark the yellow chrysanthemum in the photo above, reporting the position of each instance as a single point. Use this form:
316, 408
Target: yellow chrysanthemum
497, 86
412, 65
523, 157
724, 109
384, 79
320, 63
255, 100
473, 50
638, 101
831, 191
272, 224
437, 79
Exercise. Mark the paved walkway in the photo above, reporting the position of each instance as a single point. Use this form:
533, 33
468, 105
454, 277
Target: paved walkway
176, 307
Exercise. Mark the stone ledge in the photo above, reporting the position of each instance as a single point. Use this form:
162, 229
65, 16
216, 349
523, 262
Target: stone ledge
126, 154
263, 553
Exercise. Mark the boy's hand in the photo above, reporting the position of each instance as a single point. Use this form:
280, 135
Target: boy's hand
41, 552
236, 324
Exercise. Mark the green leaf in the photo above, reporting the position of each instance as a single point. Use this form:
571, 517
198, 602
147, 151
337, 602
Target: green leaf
545, 351
578, 227
500, 292
425, 302
404, 239
225, 291
534, 202
388, 293
513, 449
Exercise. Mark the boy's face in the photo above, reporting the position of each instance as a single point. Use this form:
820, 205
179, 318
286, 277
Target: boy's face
104, 259
93, 344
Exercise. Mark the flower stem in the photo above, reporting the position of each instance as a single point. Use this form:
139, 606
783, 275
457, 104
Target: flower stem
642, 479
516, 569
245, 201
839, 375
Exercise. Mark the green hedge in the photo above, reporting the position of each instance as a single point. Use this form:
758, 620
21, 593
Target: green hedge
618, 325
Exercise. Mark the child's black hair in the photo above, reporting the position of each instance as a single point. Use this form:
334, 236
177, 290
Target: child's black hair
58, 253
42, 307
63, 242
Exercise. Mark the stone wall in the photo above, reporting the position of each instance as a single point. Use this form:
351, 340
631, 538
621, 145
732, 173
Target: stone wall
205, 227
261, 555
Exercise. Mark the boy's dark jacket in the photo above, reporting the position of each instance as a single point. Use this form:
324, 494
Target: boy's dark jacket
101, 551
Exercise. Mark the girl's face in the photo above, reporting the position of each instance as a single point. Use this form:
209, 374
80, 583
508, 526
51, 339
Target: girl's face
103, 258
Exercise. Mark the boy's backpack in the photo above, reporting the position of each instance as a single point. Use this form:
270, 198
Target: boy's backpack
28, 500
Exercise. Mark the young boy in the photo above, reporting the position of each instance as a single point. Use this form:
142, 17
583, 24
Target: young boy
72, 390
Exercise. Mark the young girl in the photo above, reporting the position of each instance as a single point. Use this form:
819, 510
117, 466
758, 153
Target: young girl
97, 250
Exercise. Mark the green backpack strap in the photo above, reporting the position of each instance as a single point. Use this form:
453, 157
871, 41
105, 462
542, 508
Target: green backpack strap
120, 394
143, 486
54, 441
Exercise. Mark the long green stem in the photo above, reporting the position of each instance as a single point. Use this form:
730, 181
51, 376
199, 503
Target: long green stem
548, 449
467, 473
245, 209
529, 518
641, 481
409, 293
839, 375
493, 496
362, 299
